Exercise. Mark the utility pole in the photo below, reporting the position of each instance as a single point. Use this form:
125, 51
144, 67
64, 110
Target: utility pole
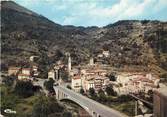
136, 108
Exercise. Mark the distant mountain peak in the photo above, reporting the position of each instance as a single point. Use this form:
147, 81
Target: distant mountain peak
14, 6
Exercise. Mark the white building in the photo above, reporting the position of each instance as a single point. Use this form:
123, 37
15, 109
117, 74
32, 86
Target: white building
25, 74
89, 83
91, 62
13, 70
69, 63
54, 74
26, 71
100, 55
35, 70
51, 74
90, 77
24, 77
136, 82
76, 83
74, 72
32, 58
106, 53
126, 77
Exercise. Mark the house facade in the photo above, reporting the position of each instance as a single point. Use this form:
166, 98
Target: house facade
13, 70
90, 77
25, 74
76, 83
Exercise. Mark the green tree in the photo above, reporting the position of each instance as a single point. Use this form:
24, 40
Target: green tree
112, 77
124, 98
64, 74
109, 90
8, 80
68, 86
150, 98
101, 92
58, 54
82, 91
92, 93
67, 114
24, 88
164, 77
8, 102
102, 96
43, 61
49, 84
45, 106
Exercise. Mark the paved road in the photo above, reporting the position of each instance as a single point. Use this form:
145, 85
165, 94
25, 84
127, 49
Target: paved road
40, 82
90, 104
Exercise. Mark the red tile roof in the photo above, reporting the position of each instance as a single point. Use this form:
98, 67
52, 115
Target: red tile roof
14, 68
76, 77
26, 68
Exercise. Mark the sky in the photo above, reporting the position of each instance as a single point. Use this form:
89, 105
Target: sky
97, 12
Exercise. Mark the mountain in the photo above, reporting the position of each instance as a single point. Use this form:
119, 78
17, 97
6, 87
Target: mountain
133, 44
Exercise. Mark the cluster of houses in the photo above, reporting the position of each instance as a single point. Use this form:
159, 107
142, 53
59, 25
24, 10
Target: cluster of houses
95, 76
135, 82
89, 76
82, 77
55, 72
105, 53
24, 73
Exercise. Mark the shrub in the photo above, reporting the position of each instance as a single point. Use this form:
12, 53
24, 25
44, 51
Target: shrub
112, 77
49, 84
9, 80
102, 96
24, 88
68, 86
109, 90
46, 106
124, 98
82, 91
92, 93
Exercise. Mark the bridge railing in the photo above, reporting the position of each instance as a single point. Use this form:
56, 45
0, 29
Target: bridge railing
91, 106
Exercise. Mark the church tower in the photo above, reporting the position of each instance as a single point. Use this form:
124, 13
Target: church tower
69, 63
91, 61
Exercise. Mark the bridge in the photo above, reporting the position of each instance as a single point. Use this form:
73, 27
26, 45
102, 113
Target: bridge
94, 108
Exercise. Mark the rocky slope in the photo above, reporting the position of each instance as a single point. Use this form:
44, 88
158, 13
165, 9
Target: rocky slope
131, 43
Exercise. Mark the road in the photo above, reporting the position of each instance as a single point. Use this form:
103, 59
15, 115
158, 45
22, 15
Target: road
102, 110
40, 82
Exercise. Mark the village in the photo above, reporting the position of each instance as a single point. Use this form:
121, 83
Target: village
92, 75
98, 81
81, 58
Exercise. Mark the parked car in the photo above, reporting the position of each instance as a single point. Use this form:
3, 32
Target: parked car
9, 111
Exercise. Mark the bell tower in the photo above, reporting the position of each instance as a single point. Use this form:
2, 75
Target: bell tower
69, 63
91, 61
